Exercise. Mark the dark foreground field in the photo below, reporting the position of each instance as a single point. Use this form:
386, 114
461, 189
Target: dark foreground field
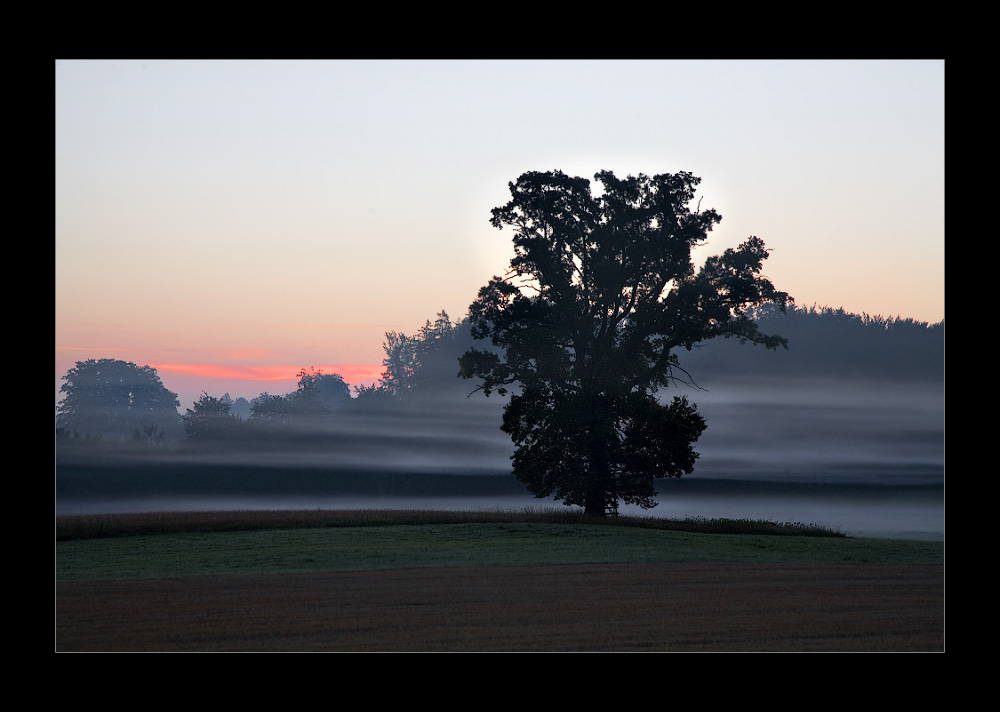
576, 607
357, 582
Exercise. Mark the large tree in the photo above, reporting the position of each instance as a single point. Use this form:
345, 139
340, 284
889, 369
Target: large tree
109, 397
600, 294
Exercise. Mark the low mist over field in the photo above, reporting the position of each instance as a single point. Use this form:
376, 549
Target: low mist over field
845, 428
788, 428
850, 399
223, 336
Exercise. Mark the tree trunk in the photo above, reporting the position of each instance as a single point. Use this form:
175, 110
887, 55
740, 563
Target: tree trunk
599, 479
595, 504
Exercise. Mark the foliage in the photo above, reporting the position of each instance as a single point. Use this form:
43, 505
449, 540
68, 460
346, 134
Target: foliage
400, 363
268, 418
310, 398
435, 367
240, 407
600, 292
316, 398
373, 398
424, 363
832, 343
267, 409
329, 388
114, 398
210, 421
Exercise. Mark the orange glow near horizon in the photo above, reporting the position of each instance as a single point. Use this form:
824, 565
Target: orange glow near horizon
209, 238
210, 373
351, 373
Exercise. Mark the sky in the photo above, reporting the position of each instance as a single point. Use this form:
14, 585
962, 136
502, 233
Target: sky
233, 222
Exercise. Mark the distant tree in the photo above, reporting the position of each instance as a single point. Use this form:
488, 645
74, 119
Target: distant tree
307, 401
241, 407
271, 410
600, 293
425, 363
430, 334
211, 421
399, 364
323, 393
113, 398
830, 343
371, 399
316, 397
438, 346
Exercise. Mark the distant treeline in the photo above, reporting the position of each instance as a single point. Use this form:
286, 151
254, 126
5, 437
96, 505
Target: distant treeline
823, 342
420, 378
826, 343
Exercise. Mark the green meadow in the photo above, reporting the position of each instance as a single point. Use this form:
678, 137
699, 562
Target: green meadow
165, 545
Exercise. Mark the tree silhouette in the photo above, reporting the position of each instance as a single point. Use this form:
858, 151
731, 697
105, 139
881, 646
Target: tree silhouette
332, 388
271, 411
318, 394
421, 364
437, 348
240, 407
109, 397
315, 400
830, 343
211, 421
600, 292
400, 363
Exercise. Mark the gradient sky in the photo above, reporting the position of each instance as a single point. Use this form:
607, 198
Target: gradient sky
231, 222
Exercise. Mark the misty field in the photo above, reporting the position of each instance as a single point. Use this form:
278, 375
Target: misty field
395, 581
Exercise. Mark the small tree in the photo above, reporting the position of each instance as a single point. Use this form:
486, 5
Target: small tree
601, 292
271, 410
321, 393
211, 420
315, 398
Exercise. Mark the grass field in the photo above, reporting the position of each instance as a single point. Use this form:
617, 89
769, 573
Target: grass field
501, 581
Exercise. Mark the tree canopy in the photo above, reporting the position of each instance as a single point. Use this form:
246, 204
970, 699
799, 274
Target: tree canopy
319, 394
109, 397
600, 294
418, 364
211, 420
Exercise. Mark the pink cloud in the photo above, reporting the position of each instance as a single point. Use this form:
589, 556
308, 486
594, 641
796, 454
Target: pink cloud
351, 373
